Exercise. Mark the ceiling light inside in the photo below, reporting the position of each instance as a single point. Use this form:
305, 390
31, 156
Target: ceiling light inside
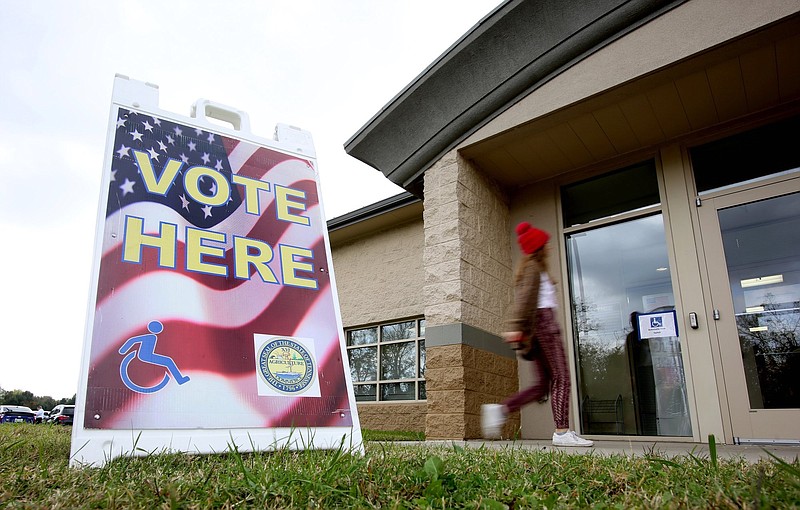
762, 280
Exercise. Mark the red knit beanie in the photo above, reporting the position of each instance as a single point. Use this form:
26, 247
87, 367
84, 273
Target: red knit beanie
530, 239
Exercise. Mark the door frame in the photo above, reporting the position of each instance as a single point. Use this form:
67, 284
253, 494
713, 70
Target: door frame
746, 424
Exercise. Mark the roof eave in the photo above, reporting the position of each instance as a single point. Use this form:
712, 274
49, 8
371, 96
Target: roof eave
515, 49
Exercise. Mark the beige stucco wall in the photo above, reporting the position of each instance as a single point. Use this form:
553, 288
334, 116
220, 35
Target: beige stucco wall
379, 277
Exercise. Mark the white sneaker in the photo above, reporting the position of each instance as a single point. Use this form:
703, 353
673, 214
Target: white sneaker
492, 420
570, 438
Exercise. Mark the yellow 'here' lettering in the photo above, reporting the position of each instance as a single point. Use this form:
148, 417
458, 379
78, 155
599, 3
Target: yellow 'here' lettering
135, 239
290, 265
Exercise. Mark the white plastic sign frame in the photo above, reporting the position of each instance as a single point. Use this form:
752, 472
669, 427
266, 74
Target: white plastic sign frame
213, 320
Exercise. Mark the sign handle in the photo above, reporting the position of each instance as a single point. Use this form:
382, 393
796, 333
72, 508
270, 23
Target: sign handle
203, 109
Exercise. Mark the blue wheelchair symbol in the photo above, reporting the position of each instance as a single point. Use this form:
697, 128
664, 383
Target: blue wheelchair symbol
656, 322
146, 353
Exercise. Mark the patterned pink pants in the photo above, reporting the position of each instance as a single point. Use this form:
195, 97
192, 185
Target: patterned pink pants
550, 371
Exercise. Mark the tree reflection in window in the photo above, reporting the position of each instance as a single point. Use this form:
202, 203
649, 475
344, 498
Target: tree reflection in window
387, 362
363, 363
362, 336
771, 354
397, 391
397, 361
399, 331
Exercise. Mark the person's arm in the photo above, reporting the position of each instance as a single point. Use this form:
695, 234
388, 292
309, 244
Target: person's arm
526, 300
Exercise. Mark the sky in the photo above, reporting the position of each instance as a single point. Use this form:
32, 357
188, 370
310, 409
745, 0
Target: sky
324, 66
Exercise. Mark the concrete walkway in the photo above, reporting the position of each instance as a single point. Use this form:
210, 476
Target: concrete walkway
750, 452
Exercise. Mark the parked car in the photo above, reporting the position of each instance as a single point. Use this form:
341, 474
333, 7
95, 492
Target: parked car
61, 414
15, 414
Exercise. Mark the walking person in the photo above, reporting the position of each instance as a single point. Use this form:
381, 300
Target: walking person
533, 332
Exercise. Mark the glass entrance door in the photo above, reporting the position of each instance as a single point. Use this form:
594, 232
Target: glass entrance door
756, 295
630, 378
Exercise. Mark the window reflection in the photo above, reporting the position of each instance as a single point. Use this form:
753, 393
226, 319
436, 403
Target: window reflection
397, 361
397, 391
399, 331
363, 363
391, 357
421, 363
362, 336
627, 384
616, 192
762, 242
771, 355
365, 392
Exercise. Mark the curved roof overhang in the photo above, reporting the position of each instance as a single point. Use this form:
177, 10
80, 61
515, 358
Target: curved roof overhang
513, 50
684, 79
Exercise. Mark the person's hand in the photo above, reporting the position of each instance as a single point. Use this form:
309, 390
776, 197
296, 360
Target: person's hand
512, 336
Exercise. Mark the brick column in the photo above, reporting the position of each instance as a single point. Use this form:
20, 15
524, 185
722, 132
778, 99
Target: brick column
467, 261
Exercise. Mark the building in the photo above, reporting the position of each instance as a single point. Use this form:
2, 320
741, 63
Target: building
655, 141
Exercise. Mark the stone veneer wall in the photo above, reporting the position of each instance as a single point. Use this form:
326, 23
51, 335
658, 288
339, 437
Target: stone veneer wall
407, 416
467, 246
467, 283
461, 378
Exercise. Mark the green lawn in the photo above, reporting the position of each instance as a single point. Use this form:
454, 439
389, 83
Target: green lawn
392, 435
34, 473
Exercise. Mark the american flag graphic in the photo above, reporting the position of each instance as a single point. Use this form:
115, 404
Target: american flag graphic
209, 321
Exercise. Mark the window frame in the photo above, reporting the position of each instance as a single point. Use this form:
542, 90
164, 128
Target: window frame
418, 341
620, 218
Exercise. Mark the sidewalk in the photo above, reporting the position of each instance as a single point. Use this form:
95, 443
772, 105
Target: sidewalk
750, 452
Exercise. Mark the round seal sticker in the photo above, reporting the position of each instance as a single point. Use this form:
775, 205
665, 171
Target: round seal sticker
286, 366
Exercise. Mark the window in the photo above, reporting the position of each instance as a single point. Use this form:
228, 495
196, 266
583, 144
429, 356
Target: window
387, 361
747, 156
628, 189
618, 269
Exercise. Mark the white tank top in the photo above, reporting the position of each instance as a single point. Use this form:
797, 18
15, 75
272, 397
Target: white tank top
547, 293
